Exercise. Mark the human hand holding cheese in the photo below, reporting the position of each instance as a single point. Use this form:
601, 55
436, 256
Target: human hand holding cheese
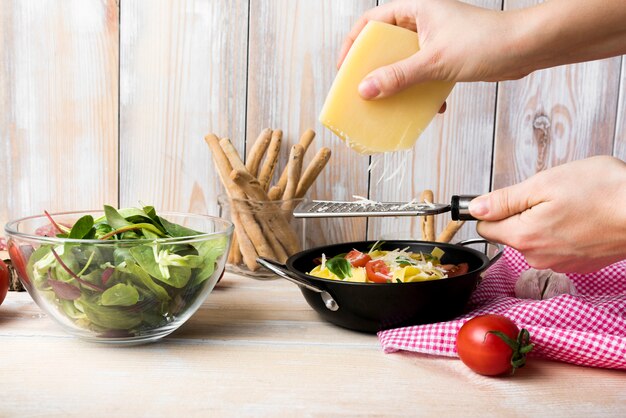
461, 42
393, 123
570, 218
446, 29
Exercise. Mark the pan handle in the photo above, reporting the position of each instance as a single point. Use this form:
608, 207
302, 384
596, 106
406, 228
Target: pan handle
499, 246
282, 271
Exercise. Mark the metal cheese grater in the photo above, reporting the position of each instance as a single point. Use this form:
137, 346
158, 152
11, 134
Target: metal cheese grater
458, 209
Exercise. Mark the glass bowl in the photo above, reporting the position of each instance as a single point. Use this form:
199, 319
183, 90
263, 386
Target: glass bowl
119, 291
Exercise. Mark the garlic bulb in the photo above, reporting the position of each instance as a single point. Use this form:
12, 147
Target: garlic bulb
543, 284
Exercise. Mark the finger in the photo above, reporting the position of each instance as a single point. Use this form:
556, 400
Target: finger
501, 231
391, 79
506, 202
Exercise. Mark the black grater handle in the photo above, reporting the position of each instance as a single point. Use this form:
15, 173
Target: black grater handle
459, 208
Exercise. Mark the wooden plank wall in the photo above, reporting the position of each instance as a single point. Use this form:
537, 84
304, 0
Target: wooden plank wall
554, 116
107, 101
59, 114
182, 75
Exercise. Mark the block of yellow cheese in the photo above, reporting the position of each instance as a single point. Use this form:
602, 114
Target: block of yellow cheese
382, 125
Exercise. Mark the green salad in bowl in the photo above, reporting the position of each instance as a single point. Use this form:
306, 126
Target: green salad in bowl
120, 276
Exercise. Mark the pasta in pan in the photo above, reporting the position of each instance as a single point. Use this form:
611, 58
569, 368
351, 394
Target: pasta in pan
384, 266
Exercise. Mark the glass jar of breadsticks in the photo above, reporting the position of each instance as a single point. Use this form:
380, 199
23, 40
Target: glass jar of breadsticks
262, 212
270, 232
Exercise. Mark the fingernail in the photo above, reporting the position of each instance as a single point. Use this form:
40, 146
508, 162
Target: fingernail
479, 206
368, 89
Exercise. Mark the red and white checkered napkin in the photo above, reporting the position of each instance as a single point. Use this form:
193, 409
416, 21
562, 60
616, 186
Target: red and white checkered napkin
588, 329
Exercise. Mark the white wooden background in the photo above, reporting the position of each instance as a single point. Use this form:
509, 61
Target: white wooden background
106, 101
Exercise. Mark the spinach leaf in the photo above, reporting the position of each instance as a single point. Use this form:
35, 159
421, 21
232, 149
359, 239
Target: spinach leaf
83, 228
101, 229
151, 213
114, 219
179, 276
39, 263
404, 261
176, 230
120, 295
209, 252
170, 274
149, 234
70, 309
340, 267
140, 277
132, 213
110, 317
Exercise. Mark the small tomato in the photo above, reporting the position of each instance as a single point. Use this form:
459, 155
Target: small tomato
492, 345
18, 261
377, 271
4, 281
357, 258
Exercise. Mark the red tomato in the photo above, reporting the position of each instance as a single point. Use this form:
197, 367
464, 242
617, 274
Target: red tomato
4, 281
492, 345
377, 271
17, 259
357, 258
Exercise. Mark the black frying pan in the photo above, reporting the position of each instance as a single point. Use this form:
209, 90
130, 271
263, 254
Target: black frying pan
371, 307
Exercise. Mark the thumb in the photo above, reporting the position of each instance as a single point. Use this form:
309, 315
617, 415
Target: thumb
503, 203
390, 79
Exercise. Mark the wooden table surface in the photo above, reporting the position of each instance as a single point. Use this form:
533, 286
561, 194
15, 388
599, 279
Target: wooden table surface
255, 348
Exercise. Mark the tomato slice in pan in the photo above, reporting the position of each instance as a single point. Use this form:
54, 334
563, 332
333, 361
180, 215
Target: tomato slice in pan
357, 258
377, 271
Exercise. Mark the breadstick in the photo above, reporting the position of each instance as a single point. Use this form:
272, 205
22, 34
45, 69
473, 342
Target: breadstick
249, 184
312, 171
294, 170
268, 233
257, 151
305, 140
275, 193
281, 253
231, 153
246, 244
234, 255
450, 231
428, 222
278, 223
269, 165
250, 237
235, 161
233, 246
